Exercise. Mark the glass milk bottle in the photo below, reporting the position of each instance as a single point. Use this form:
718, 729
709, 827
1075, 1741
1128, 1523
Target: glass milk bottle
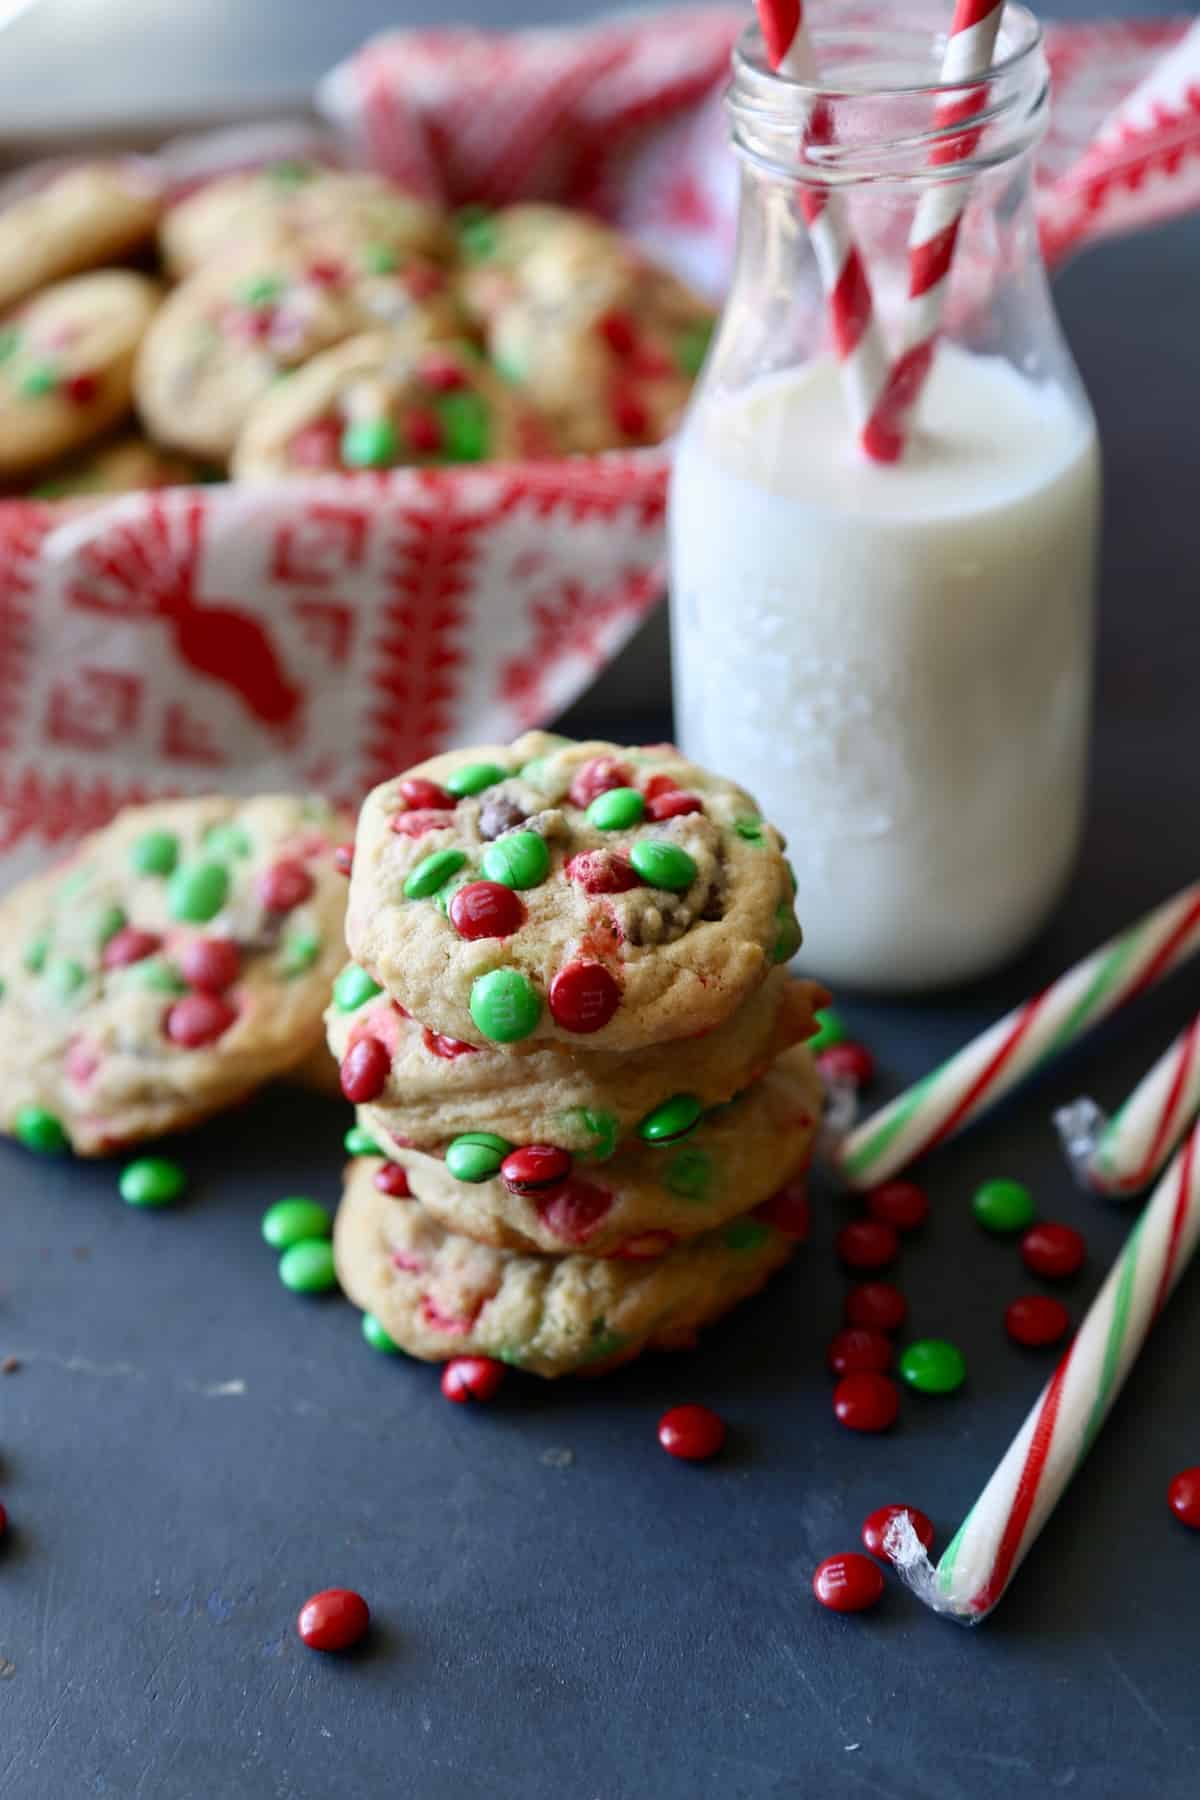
895, 658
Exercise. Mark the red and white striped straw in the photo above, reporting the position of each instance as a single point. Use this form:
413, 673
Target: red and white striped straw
934, 234
857, 338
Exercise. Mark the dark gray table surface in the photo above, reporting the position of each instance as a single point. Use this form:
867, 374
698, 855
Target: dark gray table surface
187, 1450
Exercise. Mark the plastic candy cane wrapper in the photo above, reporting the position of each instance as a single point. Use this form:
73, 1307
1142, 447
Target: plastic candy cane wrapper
1122, 1155
1000, 1529
326, 633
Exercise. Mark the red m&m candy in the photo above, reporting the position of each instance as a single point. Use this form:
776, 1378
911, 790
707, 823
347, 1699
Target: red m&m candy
129, 945
693, 1433
426, 796
597, 777
875, 1526
877, 1305
1053, 1251
317, 446
364, 1070
1183, 1497
866, 1401
583, 997
867, 1244
422, 819
393, 1180
210, 963
334, 1619
851, 1063
1036, 1320
343, 858
788, 1211
199, 1019
899, 1203
482, 909
673, 806
602, 872
423, 430
849, 1583
535, 1169
472, 1378
856, 1348
285, 885
438, 1044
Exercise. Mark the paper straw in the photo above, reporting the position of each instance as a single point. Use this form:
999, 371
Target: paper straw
857, 337
998, 1532
1021, 1043
934, 234
1122, 1155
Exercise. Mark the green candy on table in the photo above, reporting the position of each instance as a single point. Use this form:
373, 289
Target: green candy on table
933, 1366
378, 1338
151, 1181
431, 872
672, 1120
39, 1130
617, 810
519, 859
505, 1006
300, 952
745, 1234
296, 1220
197, 892
473, 778
1003, 1206
358, 1142
307, 1267
476, 1155
830, 1030
155, 854
663, 865
65, 976
227, 840
369, 444
689, 1174
353, 988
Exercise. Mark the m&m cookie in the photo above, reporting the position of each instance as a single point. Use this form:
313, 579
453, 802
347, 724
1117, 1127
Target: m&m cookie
97, 212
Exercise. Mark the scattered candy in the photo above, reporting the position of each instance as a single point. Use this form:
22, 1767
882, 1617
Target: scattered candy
867, 1244
198, 1019
432, 872
875, 1526
335, 1619
476, 1155
506, 1007
1183, 1497
672, 1120
933, 1366
857, 1348
393, 1181
788, 1210
151, 1181
1053, 1251
1036, 1320
847, 1062
899, 1203
484, 909
535, 1169
519, 859
866, 1401
377, 1337
1003, 1206
364, 1070
39, 1130
877, 1306
692, 1433
848, 1584
663, 865
210, 963
467, 1378
296, 1220
307, 1267
830, 1027
583, 997
472, 778
353, 988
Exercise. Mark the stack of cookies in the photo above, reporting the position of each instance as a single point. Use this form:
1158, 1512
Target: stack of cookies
576, 1052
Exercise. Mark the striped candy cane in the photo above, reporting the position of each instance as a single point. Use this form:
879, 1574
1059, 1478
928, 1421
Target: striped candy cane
934, 234
857, 337
998, 1532
1122, 1155
1022, 1043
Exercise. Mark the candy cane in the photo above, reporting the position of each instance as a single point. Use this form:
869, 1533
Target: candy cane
1022, 1042
857, 337
1122, 1155
934, 234
998, 1532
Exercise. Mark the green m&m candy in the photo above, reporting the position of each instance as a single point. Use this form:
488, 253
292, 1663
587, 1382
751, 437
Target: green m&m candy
789, 936
36, 952
476, 233
307, 1267
295, 1221
105, 924
830, 1030
155, 973
41, 379
39, 1130
689, 1174
300, 952
64, 976
476, 1155
369, 444
505, 1005
151, 1181
933, 1366
602, 1127
749, 829
260, 290
466, 426
473, 778
663, 865
617, 810
227, 840
691, 347
519, 859
1003, 1206
745, 1234
431, 872
358, 1142
379, 259
672, 1120
353, 988
198, 891
156, 853
377, 1337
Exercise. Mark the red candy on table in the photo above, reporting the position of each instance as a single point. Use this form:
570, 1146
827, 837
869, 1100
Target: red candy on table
849, 1583
483, 909
393, 1180
1183, 1497
1053, 1251
198, 1019
876, 1305
467, 1378
426, 796
583, 997
867, 1244
673, 806
210, 963
334, 1619
1036, 1320
851, 1063
599, 776
364, 1070
866, 1401
857, 1348
788, 1211
692, 1433
602, 872
343, 858
876, 1524
536, 1169
285, 885
899, 1203
129, 945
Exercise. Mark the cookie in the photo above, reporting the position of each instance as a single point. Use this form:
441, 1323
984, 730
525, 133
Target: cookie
684, 1173
383, 401
607, 898
583, 1101
66, 365
96, 213
438, 1295
181, 958
122, 465
227, 336
500, 252
298, 204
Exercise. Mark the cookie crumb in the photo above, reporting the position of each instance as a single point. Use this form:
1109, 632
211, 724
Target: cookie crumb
556, 1458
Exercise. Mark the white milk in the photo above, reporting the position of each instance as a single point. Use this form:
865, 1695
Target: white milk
895, 661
